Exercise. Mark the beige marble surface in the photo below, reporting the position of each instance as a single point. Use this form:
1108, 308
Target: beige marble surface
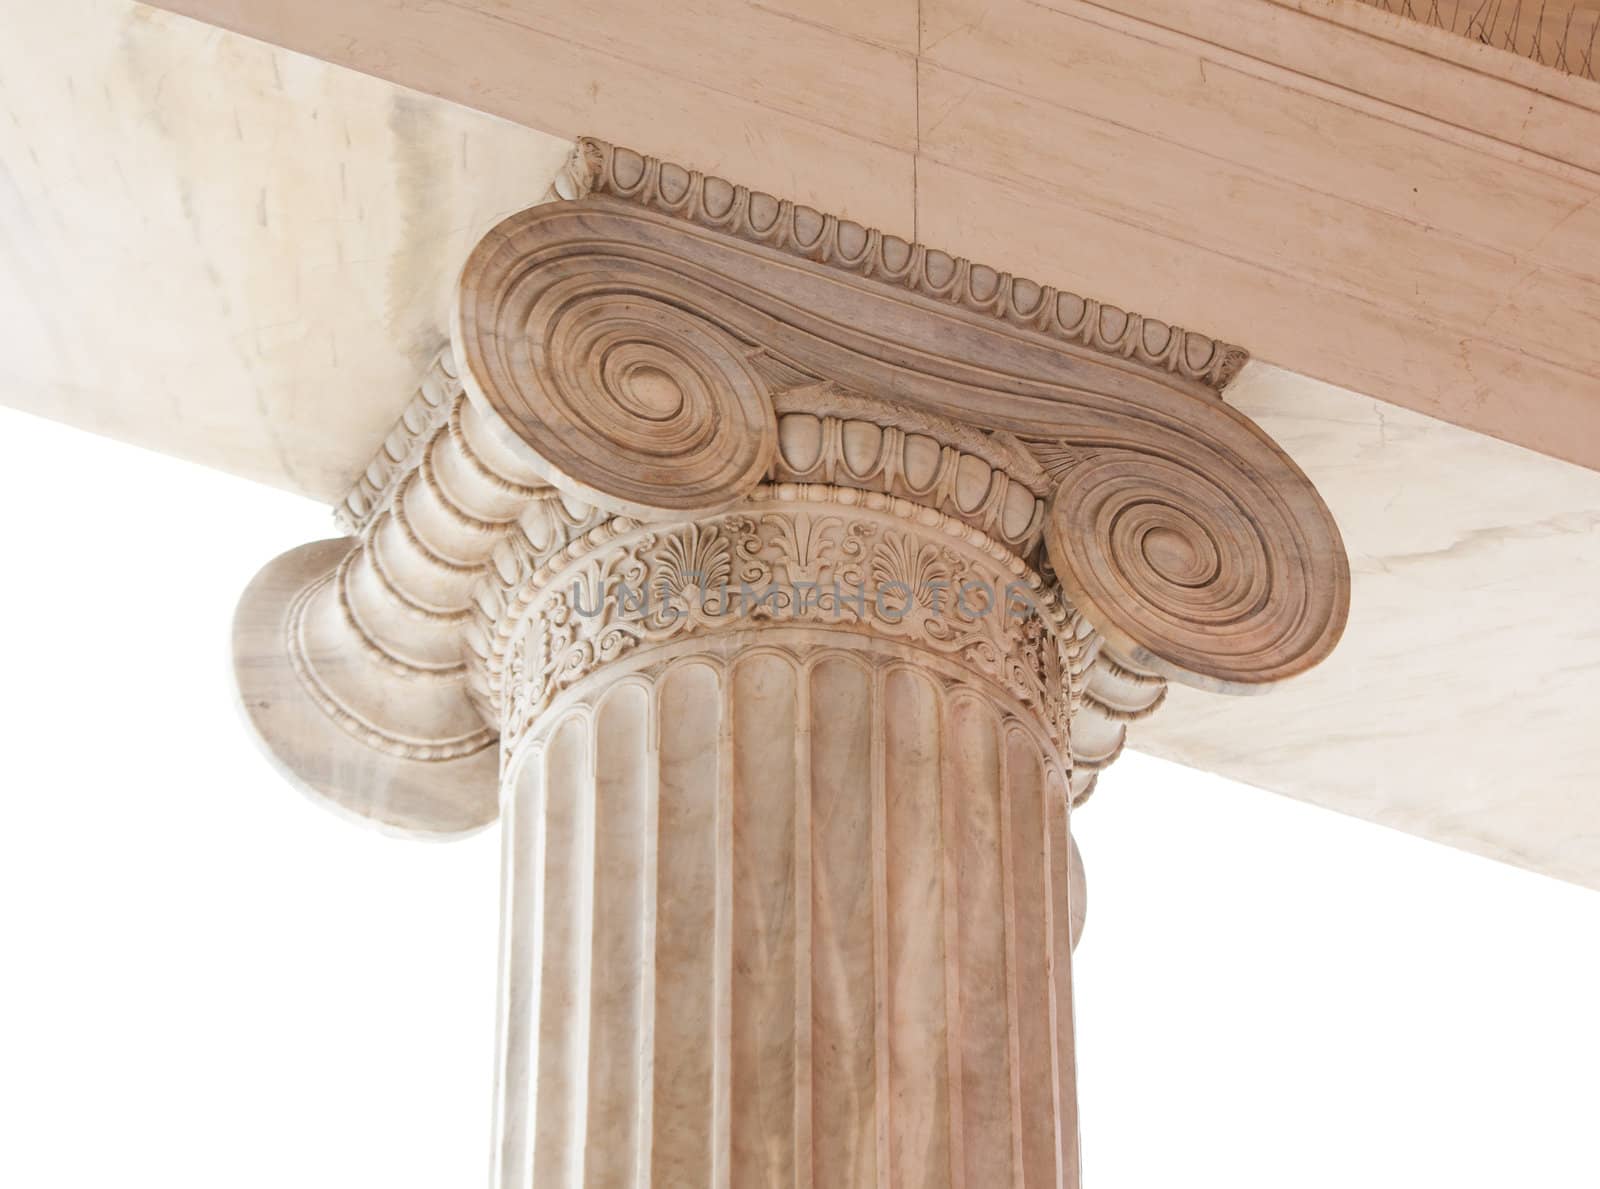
1384, 205
226, 251
1462, 703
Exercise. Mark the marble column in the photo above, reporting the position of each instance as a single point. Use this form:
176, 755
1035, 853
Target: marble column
786, 875
782, 586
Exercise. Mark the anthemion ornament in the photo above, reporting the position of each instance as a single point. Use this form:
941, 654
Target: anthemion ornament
781, 586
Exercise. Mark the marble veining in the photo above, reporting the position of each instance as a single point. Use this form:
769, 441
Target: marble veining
1460, 705
226, 251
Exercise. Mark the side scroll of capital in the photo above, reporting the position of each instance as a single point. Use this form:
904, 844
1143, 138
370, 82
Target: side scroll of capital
1202, 569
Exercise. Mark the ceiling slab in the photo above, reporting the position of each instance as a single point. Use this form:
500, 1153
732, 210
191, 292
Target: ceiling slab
225, 251
1358, 197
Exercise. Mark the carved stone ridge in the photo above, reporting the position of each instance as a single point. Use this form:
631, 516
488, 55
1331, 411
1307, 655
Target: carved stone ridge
602, 169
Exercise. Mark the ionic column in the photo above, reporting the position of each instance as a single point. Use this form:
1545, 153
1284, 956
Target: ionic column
783, 586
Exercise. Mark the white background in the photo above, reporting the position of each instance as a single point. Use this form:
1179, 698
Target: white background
206, 981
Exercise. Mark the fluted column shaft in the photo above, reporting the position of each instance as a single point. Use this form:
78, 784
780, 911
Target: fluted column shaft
786, 912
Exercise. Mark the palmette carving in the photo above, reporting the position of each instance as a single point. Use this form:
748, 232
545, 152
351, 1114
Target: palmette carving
796, 555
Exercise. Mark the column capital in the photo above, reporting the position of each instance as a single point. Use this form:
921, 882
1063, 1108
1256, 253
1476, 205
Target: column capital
636, 337
656, 353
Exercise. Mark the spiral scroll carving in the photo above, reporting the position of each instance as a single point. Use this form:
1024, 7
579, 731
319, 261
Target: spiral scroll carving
1230, 585
637, 339
624, 398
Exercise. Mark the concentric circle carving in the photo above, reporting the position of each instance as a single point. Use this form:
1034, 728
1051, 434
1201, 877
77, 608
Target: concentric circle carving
1226, 586
625, 398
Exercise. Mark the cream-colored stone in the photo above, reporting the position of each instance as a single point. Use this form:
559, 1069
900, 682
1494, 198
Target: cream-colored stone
787, 906
635, 348
1460, 705
226, 251
1558, 33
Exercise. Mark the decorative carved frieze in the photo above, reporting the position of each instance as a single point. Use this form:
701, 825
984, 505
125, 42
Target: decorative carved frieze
794, 555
